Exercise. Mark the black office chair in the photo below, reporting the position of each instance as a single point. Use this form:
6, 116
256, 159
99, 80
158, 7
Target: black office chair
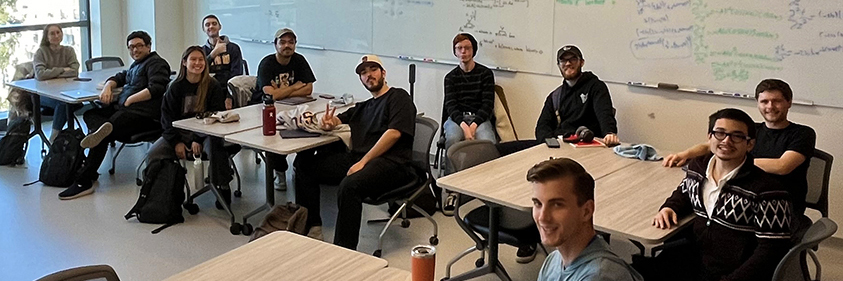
512, 231
104, 62
819, 173
423, 139
793, 265
82, 273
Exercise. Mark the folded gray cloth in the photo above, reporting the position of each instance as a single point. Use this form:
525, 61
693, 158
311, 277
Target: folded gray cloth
644, 152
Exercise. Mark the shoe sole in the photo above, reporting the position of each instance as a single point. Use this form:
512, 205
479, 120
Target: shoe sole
523, 260
80, 194
95, 138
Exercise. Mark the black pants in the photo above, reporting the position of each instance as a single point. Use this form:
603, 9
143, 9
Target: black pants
329, 165
212, 147
125, 125
279, 161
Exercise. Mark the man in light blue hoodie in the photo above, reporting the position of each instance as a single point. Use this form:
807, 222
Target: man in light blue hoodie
563, 208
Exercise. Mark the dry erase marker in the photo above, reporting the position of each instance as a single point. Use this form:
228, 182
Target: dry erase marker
635, 83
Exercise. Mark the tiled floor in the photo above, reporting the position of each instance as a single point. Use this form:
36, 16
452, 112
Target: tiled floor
44, 235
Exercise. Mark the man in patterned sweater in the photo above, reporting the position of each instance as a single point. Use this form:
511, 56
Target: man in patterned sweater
742, 215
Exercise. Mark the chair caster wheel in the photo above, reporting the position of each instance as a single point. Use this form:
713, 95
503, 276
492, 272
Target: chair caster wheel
237, 193
235, 228
139, 182
111, 171
377, 253
479, 262
192, 208
405, 223
434, 240
248, 229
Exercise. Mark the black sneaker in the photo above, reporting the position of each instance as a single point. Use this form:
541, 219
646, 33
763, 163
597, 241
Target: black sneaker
77, 190
226, 195
526, 254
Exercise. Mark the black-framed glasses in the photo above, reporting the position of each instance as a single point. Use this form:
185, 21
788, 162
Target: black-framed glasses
567, 60
136, 46
735, 137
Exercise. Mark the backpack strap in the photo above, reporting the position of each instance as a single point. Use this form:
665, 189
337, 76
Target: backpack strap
555, 97
155, 231
31, 183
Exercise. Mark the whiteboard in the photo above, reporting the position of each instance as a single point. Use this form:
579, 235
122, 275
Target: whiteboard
720, 45
511, 34
342, 25
717, 45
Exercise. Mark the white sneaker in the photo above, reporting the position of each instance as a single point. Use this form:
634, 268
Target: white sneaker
94, 139
315, 232
280, 181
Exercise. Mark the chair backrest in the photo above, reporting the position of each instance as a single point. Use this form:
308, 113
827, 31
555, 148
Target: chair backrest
792, 266
91, 272
819, 172
104, 62
245, 67
425, 131
467, 154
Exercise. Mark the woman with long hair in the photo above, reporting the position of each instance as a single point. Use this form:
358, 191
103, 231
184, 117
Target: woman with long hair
193, 93
54, 60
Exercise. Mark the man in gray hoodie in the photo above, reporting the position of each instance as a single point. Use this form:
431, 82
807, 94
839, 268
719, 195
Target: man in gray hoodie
563, 208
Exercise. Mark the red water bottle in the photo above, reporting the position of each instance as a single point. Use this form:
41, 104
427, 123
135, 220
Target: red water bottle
268, 116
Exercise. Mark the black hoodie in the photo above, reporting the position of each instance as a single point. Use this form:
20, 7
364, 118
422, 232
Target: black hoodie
587, 103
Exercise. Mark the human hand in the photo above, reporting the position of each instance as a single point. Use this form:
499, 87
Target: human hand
219, 48
675, 160
665, 218
228, 104
611, 140
468, 134
329, 121
181, 151
106, 96
197, 149
356, 167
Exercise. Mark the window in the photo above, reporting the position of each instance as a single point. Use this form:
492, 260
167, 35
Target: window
21, 25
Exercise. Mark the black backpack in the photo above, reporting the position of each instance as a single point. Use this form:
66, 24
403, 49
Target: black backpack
161, 195
13, 144
64, 160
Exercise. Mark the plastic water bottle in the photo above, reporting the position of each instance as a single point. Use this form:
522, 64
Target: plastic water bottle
198, 173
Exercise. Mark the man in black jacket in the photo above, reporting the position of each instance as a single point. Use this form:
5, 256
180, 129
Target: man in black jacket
742, 215
581, 101
137, 108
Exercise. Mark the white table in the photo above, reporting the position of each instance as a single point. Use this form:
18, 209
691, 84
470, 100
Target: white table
284, 255
52, 88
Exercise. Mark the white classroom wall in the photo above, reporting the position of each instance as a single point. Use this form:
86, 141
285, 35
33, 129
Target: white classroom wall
668, 120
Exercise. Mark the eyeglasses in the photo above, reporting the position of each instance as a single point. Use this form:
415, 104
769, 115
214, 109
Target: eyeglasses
206, 114
571, 60
136, 46
735, 137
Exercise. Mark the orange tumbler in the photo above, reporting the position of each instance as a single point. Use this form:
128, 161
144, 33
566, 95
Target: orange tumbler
424, 262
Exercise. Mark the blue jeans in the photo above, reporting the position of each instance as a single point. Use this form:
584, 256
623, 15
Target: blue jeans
454, 134
59, 111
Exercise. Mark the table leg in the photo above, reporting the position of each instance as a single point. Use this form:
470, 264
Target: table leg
36, 121
70, 117
493, 264
270, 191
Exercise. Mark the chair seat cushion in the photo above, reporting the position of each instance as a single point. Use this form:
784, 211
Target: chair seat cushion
402, 192
478, 220
148, 136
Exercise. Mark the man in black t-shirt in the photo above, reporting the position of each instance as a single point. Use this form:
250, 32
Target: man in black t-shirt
382, 130
282, 75
783, 148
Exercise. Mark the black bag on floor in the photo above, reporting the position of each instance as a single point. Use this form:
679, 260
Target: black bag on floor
13, 144
64, 160
161, 195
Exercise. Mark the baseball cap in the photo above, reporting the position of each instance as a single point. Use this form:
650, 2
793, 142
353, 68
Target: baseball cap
368, 60
569, 49
283, 31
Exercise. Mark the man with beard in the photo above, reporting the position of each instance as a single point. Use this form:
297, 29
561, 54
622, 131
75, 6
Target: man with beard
282, 75
581, 101
382, 130
741, 215
783, 148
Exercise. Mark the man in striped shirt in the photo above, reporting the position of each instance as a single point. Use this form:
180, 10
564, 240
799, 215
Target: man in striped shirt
469, 96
